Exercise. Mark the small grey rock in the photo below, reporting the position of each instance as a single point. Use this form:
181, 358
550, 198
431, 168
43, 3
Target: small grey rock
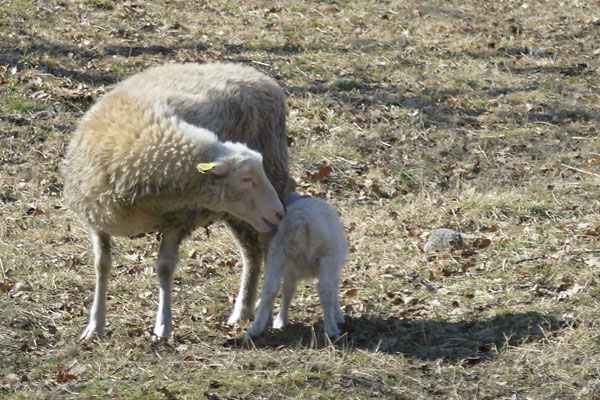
525, 51
441, 239
23, 287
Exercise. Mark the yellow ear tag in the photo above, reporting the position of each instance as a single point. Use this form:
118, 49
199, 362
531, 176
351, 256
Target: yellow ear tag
205, 167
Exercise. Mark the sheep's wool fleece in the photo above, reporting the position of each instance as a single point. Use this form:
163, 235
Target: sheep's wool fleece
135, 152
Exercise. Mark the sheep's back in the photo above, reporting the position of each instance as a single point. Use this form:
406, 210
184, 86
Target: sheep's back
126, 153
236, 102
129, 145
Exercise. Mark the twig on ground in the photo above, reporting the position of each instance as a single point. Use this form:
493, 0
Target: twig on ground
580, 170
571, 253
9, 346
577, 253
527, 259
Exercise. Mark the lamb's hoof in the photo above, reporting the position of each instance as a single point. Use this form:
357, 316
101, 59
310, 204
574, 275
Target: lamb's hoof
159, 339
238, 317
90, 331
279, 323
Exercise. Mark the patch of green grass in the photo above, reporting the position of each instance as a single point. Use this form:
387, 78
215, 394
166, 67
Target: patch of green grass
540, 209
21, 105
466, 83
6, 194
23, 5
346, 85
105, 5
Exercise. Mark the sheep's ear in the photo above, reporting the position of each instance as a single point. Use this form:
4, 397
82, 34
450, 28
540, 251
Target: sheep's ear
205, 168
218, 169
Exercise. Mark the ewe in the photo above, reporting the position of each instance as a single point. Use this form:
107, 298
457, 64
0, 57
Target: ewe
309, 242
133, 167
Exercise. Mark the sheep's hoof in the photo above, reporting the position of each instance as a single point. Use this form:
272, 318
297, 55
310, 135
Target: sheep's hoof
333, 335
252, 334
161, 332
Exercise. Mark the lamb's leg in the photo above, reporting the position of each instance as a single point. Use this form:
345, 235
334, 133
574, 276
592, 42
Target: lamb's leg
102, 263
337, 309
289, 290
273, 269
328, 289
167, 261
251, 249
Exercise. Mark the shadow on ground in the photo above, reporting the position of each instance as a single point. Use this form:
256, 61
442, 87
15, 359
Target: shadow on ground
431, 106
471, 341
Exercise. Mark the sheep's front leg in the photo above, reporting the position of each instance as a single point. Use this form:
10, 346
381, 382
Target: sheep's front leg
328, 288
102, 264
167, 261
252, 256
273, 269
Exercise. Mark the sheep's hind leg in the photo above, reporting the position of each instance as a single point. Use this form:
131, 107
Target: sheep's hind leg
102, 264
339, 315
251, 248
167, 262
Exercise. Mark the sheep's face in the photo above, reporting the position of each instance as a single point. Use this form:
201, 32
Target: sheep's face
248, 195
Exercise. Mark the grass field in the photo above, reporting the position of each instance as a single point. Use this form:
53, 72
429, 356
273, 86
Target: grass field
407, 116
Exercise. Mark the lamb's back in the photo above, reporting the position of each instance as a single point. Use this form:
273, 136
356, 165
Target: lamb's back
312, 229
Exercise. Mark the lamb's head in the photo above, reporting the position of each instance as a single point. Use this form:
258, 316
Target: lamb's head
245, 190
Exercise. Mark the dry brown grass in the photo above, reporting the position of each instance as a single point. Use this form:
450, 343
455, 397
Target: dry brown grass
482, 117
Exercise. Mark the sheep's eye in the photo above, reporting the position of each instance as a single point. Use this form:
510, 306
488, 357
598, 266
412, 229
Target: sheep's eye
247, 180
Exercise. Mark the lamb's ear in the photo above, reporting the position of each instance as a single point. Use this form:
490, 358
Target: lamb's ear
290, 187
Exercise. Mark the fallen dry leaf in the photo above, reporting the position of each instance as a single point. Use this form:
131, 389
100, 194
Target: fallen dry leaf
5, 287
322, 174
481, 243
63, 377
592, 262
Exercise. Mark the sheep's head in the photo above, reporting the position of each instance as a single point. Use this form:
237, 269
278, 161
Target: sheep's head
245, 191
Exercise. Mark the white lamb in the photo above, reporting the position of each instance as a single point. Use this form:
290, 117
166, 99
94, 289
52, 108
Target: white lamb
309, 243
145, 158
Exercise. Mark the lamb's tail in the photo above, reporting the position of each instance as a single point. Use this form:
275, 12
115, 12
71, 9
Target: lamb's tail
301, 232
